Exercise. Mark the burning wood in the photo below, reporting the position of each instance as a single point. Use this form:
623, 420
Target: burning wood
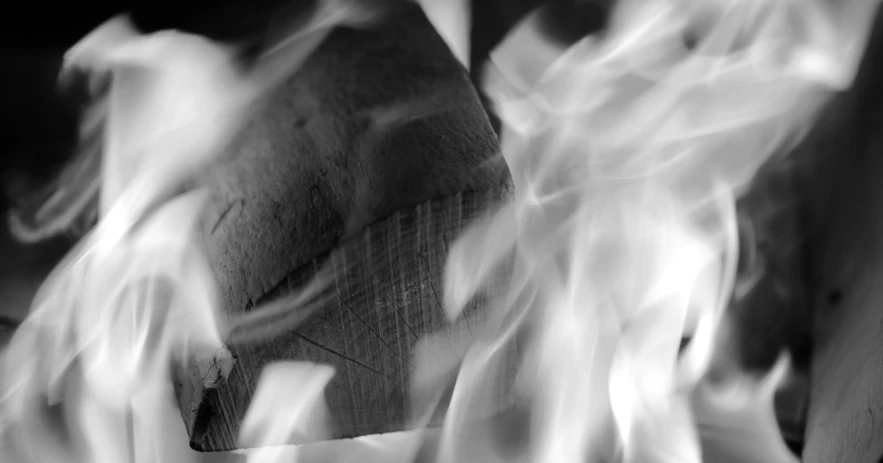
385, 297
630, 152
356, 135
844, 197
374, 130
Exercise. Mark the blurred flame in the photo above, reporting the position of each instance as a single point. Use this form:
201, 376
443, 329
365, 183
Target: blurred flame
453, 20
135, 295
87, 377
628, 152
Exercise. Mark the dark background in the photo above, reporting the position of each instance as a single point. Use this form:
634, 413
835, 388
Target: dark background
39, 123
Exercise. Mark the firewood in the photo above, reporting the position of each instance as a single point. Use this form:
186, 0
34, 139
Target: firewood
846, 399
841, 195
386, 297
379, 123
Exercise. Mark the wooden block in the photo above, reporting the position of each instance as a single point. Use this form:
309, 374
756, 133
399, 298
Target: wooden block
846, 401
377, 120
376, 123
386, 296
845, 416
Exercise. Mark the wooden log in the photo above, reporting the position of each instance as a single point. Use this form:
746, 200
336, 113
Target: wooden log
378, 120
846, 401
387, 296
845, 200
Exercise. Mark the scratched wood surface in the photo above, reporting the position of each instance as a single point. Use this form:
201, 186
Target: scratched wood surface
845, 209
387, 285
378, 120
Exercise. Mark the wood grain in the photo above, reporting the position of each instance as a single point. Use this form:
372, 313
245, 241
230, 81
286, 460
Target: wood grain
387, 284
845, 207
379, 123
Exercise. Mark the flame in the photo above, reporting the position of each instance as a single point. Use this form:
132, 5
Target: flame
278, 414
87, 375
135, 294
628, 152
452, 20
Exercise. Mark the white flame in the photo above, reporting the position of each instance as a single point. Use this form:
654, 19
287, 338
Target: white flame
87, 376
136, 294
628, 152
452, 20
288, 406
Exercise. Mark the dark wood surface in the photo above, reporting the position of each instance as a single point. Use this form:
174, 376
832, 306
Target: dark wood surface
386, 296
845, 421
845, 217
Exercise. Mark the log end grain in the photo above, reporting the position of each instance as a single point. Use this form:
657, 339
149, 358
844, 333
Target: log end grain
387, 284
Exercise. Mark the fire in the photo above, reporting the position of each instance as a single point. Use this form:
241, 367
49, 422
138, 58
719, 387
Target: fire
628, 152
136, 295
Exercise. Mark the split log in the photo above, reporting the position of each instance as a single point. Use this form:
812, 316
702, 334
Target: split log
378, 123
845, 416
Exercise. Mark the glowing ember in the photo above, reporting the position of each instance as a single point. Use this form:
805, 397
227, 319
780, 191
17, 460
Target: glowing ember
628, 152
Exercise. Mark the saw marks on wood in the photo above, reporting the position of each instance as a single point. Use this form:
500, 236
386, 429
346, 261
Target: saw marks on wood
387, 287
377, 120
846, 403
